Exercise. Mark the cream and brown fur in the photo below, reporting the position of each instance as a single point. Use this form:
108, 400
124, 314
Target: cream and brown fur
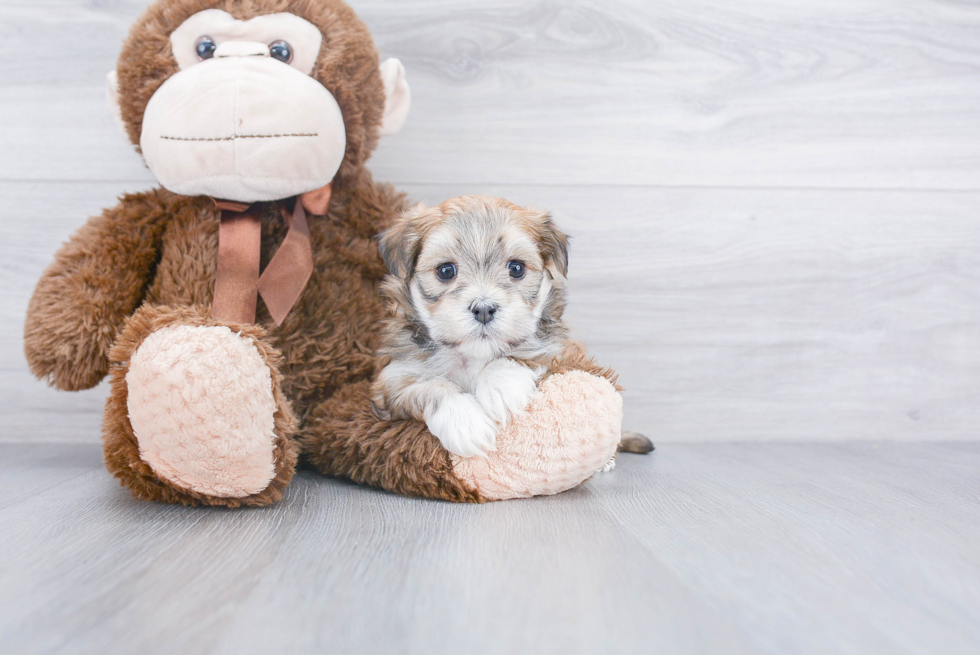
466, 352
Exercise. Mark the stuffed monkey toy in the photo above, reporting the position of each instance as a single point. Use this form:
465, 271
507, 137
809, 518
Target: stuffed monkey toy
236, 308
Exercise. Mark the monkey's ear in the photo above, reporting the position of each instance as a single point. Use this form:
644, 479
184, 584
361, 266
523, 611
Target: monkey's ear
112, 96
554, 245
398, 97
400, 244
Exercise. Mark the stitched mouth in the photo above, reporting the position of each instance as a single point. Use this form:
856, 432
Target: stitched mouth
237, 136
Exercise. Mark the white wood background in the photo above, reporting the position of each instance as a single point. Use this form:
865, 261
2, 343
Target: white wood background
775, 205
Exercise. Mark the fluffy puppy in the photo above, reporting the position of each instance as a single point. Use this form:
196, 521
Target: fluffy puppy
475, 298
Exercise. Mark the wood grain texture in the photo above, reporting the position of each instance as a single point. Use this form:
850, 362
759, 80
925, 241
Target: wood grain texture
730, 314
697, 548
847, 93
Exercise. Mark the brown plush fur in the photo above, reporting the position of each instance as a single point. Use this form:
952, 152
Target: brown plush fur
159, 251
574, 358
96, 281
165, 250
343, 438
150, 262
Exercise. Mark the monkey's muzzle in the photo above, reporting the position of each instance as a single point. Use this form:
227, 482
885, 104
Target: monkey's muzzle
247, 129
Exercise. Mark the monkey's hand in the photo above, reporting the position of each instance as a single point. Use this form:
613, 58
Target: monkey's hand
504, 389
461, 425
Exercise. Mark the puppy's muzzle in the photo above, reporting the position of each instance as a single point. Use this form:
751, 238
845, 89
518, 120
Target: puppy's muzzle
484, 311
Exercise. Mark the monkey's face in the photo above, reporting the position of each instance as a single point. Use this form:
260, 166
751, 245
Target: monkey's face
243, 118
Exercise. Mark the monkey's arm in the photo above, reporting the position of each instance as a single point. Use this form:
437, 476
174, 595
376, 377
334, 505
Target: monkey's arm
570, 430
97, 279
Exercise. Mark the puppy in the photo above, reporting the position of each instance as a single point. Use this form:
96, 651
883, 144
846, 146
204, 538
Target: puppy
475, 299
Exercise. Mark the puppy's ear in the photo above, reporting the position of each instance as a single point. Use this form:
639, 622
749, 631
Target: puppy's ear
401, 243
554, 244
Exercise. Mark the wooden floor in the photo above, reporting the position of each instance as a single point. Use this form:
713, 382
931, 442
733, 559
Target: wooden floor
697, 548
775, 210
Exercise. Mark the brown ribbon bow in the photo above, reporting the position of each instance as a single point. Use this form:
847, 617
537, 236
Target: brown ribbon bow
238, 283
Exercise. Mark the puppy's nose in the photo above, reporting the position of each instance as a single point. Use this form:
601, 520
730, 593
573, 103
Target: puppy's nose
484, 311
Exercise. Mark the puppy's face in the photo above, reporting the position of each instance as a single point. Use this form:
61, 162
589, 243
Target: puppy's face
479, 271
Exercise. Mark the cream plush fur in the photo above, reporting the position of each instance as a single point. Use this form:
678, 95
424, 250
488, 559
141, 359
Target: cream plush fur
201, 405
243, 147
588, 413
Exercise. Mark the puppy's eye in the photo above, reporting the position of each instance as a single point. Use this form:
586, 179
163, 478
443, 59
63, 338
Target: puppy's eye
516, 268
446, 272
282, 51
205, 47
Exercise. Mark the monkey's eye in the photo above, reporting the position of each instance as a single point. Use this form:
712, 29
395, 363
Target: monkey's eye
446, 272
516, 268
282, 51
205, 47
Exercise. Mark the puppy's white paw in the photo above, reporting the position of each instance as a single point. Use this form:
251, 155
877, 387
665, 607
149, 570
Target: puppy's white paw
504, 388
610, 465
462, 426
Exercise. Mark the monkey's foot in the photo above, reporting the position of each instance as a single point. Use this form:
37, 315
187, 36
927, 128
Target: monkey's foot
570, 430
206, 415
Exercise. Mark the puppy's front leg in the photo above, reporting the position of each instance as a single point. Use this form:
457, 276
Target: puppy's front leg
504, 388
459, 422
455, 418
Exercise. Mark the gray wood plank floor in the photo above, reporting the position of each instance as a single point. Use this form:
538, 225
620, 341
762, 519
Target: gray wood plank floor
697, 548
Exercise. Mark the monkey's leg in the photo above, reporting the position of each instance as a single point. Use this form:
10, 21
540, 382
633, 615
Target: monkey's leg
196, 414
570, 429
343, 438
